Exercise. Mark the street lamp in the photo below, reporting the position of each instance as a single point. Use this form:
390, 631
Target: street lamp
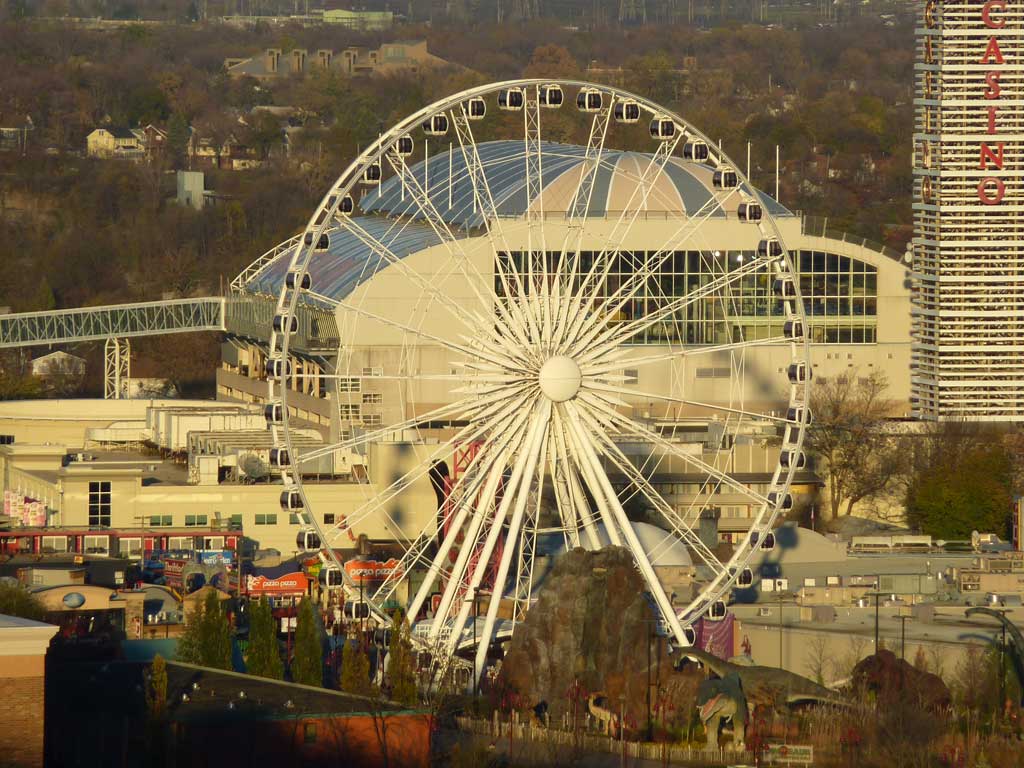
782, 598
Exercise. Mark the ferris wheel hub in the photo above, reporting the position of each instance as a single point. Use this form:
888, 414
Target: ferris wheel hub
560, 379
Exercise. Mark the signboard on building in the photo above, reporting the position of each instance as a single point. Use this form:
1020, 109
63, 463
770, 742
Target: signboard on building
216, 557
372, 571
793, 754
291, 584
174, 570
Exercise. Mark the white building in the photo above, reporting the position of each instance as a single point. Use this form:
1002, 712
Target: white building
968, 359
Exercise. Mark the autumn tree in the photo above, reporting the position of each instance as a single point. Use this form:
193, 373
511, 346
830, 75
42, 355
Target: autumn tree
551, 61
859, 457
15, 600
264, 656
308, 665
207, 637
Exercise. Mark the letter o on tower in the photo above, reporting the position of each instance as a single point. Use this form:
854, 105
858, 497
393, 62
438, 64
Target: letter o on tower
991, 190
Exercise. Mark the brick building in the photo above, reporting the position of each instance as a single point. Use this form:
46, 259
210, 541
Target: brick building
23, 645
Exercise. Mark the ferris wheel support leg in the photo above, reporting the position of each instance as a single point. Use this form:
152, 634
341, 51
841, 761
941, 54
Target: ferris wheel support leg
642, 561
503, 568
483, 502
527, 458
468, 545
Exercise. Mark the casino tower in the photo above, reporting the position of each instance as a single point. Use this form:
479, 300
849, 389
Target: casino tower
968, 321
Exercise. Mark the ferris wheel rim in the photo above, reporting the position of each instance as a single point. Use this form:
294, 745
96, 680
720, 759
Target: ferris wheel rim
288, 304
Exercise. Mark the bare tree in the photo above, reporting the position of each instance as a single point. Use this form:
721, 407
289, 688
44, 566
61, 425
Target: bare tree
859, 457
817, 658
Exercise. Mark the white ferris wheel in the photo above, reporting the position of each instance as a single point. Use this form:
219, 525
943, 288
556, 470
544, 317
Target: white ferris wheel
509, 338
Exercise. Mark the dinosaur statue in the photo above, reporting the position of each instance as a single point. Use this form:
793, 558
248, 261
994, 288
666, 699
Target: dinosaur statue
597, 706
740, 688
1016, 644
719, 700
788, 687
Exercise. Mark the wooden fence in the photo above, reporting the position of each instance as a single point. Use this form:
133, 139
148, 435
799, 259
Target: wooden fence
585, 741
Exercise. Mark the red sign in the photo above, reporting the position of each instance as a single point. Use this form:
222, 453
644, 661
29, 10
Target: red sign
991, 189
174, 568
367, 571
294, 584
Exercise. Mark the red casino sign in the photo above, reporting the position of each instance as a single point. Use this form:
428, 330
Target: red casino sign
991, 189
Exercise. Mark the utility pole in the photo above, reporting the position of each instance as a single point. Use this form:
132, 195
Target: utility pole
1002, 671
903, 635
782, 597
650, 725
877, 596
622, 728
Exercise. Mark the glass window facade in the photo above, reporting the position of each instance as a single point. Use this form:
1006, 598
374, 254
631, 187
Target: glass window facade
840, 296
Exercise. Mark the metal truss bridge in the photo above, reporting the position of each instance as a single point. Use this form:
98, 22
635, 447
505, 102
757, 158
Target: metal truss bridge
241, 314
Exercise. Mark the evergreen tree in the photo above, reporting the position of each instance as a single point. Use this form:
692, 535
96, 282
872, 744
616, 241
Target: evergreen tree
207, 638
401, 663
156, 689
178, 134
308, 665
156, 712
43, 299
264, 658
355, 671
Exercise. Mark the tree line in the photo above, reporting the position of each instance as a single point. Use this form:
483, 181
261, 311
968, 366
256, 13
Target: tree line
945, 479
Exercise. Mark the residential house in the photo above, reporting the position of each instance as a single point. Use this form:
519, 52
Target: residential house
58, 363
127, 143
206, 154
14, 136
114, 142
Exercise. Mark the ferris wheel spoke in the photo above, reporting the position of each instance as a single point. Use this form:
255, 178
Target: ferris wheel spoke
437, 414
478, 350
636, 477
480, 505
453, 245
601, 339
619, 515
528, 540
585, 302
383, 252
631, 427
573, 507
483, 197
612, 389
596, 369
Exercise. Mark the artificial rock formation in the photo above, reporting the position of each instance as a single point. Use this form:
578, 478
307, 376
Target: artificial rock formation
590, 624
888, 678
